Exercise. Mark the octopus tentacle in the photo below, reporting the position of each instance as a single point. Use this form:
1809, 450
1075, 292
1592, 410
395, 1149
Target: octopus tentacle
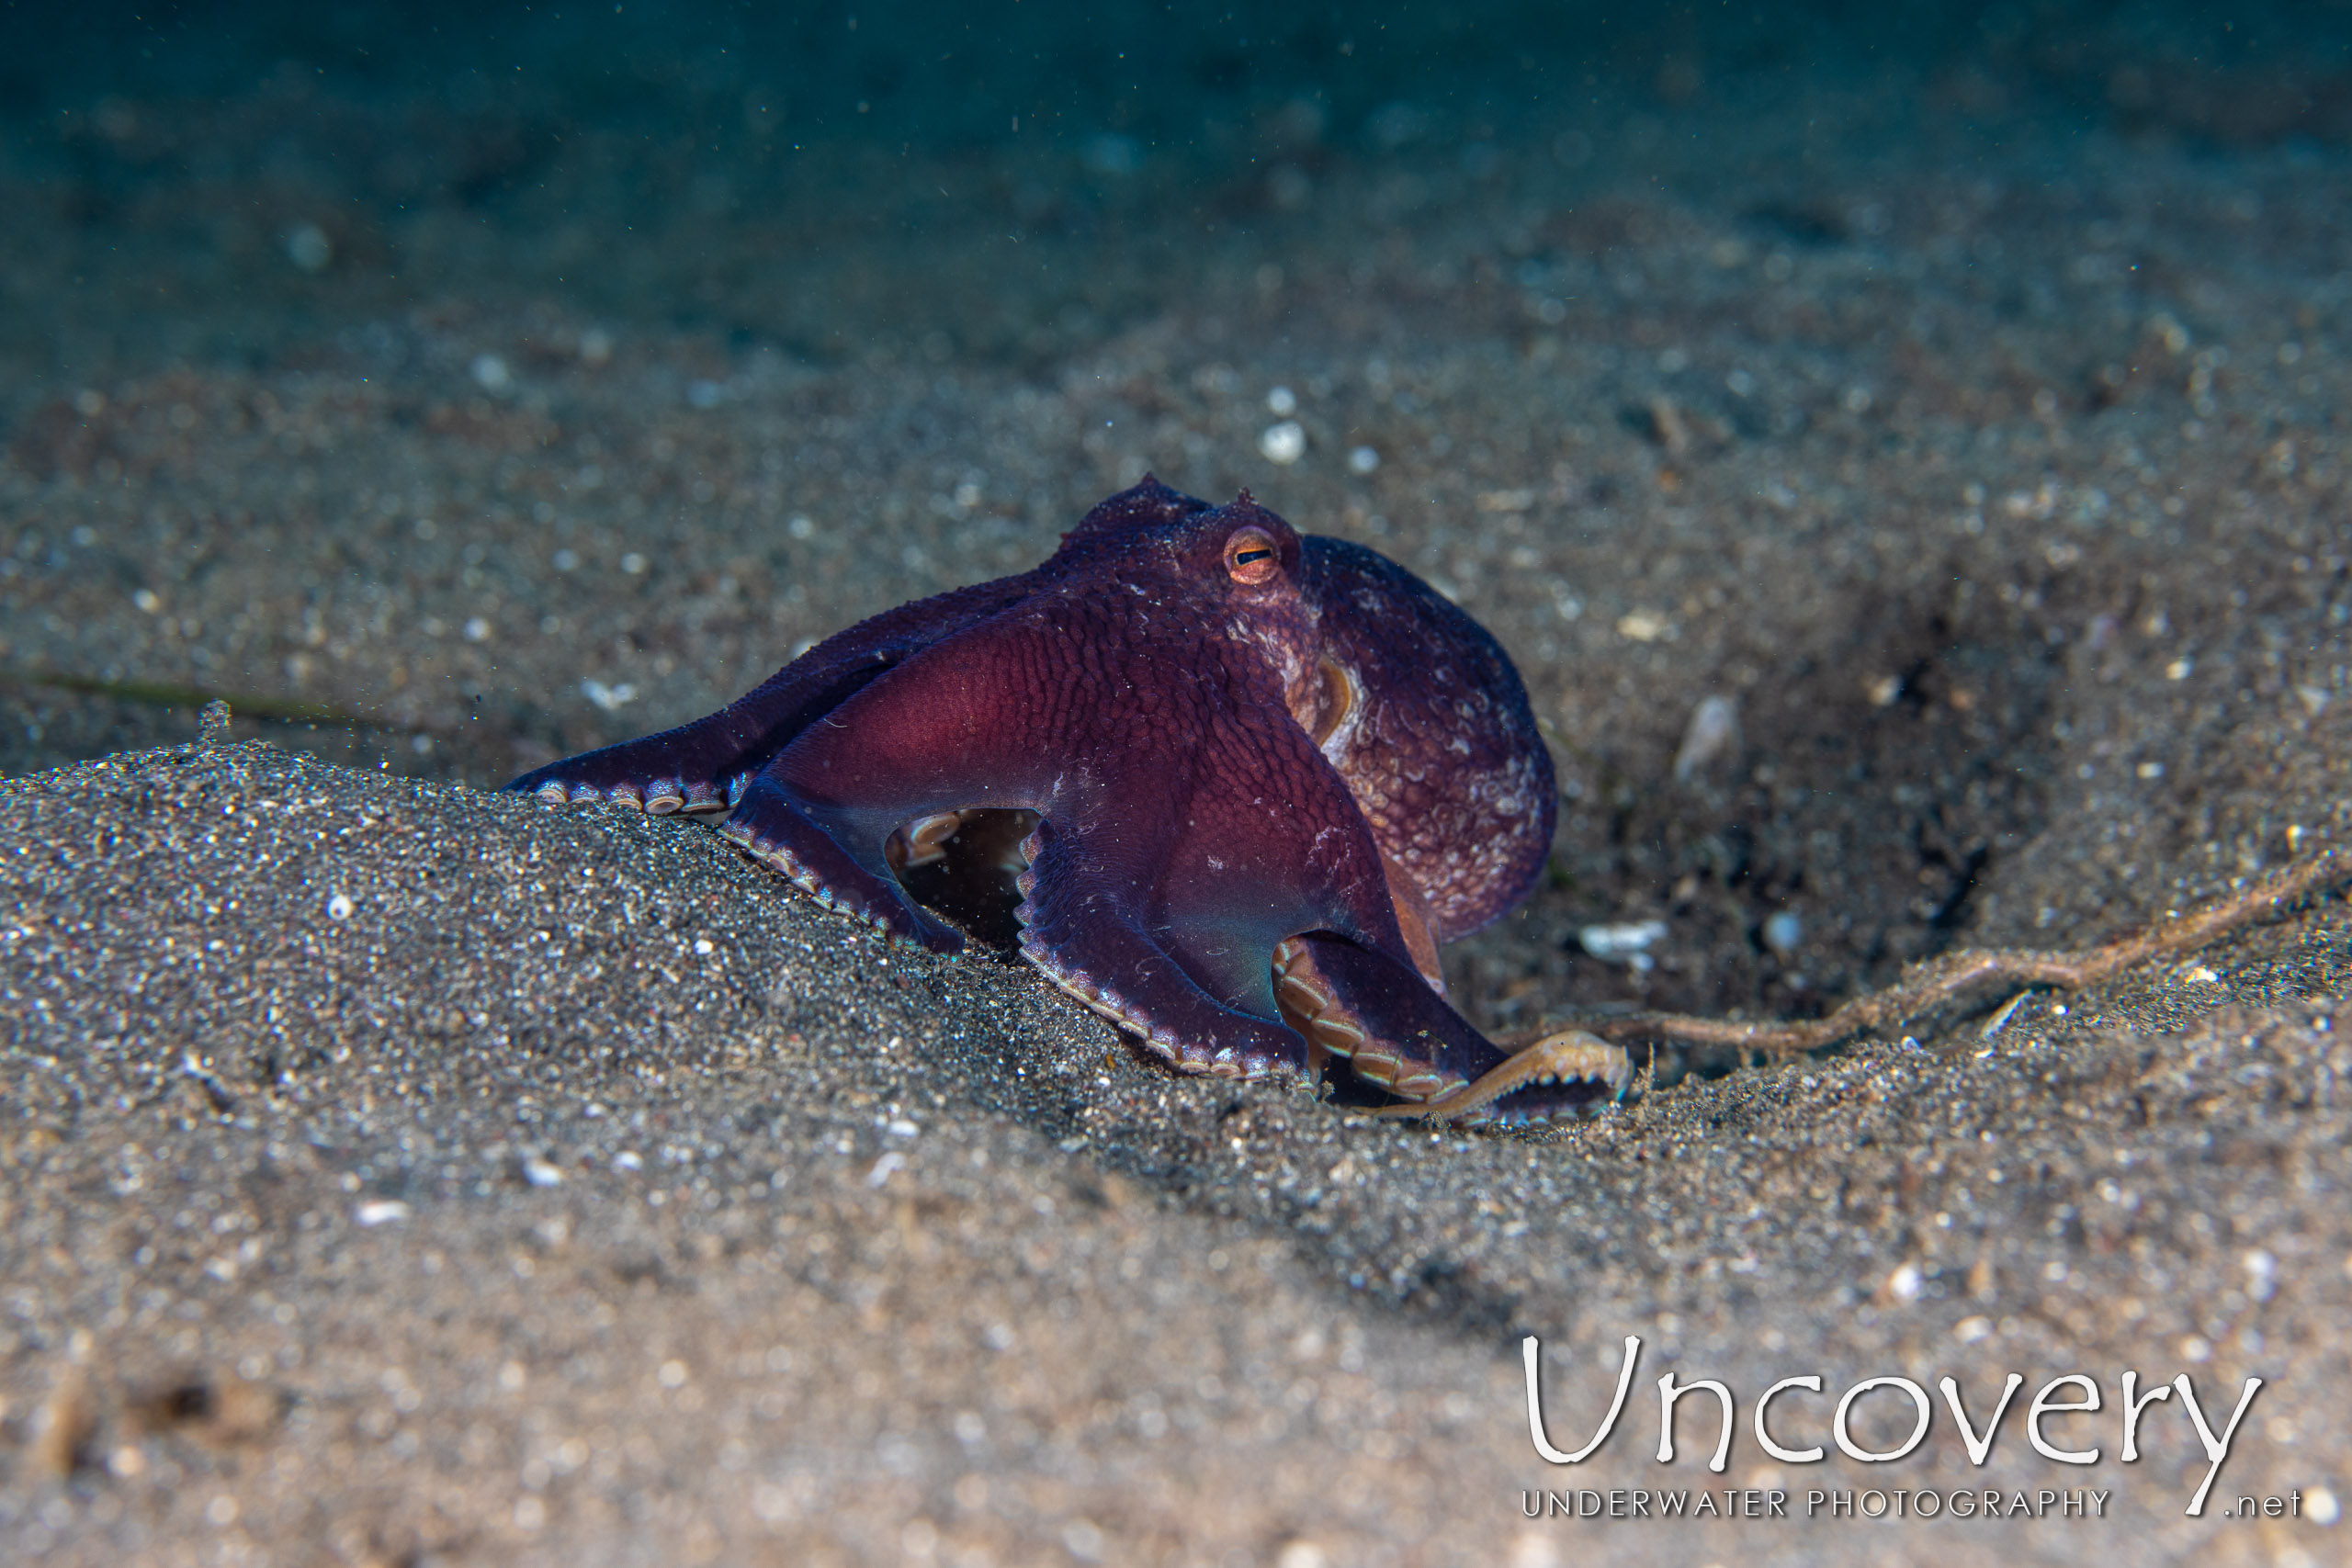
1079, 929
706, 764
1570, 1059
1397, 1032
772, 827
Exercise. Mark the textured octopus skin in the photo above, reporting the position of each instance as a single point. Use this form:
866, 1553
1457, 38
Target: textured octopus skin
1271, 773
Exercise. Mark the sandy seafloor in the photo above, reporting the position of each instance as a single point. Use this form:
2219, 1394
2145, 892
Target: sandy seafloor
392, 1172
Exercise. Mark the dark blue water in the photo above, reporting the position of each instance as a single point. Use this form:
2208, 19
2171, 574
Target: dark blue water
164, 163
945, 75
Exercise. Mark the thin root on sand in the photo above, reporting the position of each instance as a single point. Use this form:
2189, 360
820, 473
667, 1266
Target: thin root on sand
1943, 981
1593, 1049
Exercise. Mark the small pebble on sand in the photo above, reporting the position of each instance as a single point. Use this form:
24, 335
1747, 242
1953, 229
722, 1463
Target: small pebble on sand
1627, 943
1713, 731
1285, 443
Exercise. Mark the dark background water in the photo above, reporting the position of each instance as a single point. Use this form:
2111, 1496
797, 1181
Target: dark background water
948, 75
165, 167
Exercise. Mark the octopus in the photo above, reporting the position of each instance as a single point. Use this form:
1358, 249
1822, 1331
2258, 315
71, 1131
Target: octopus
1246, 782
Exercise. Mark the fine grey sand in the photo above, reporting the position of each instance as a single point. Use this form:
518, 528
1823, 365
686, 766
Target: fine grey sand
406, 1174
394, 1172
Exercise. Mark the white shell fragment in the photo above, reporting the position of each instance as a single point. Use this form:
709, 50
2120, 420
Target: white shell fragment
1628, 943
611, 698
1714, 729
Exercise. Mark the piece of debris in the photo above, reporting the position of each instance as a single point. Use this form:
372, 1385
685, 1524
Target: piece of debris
1627, 943
1668, 427
225, 1409
1714, 729
63, 1426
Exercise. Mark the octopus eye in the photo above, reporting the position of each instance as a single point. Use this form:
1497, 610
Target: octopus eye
1251, 556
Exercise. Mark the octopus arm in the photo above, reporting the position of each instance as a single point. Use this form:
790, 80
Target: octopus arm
702, 764
1163, 892
1083, 926
968, 722
1267, 843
